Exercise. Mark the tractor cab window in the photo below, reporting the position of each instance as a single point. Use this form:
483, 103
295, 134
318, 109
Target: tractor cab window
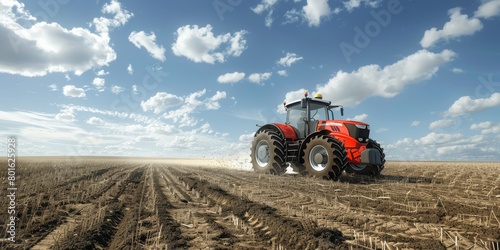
305, 124
318, 112
296, 115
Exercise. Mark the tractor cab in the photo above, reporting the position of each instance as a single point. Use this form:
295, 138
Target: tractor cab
304, 114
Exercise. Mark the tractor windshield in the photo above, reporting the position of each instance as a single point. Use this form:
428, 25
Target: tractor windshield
297, 115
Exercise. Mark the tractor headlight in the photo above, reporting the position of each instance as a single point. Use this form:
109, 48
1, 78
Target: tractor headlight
361, 126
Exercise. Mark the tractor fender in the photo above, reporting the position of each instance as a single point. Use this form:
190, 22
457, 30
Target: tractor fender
308, 138
284, 130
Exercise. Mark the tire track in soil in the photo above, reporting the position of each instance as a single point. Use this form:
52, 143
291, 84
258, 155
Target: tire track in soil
62, 222
270, 226
204, 222
101, 234
374, 224
171, 232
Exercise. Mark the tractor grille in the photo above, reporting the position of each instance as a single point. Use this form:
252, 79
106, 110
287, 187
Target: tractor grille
361, 135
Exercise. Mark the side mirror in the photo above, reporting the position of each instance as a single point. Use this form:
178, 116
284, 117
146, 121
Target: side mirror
303, 103
342, 111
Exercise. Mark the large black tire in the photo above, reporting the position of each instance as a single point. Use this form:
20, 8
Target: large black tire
373, 170
324, 157
268, 153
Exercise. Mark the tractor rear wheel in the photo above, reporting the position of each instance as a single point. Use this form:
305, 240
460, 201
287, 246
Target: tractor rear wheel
324, 157
364, 169
268, 153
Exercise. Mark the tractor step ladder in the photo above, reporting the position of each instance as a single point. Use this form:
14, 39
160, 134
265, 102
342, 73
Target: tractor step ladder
292, 152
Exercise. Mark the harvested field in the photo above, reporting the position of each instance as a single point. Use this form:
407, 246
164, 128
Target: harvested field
125, 203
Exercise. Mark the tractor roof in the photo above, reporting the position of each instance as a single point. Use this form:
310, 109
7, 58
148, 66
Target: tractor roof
313, 100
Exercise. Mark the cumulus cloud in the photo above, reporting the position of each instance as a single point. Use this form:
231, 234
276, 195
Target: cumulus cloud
443, 123
467, 105
192, 103
438, 138
259, 77
372, 80
130, 69
142, 39
359, 118
266, 5
161, 102
72, 91
315, 10
53, 87
282, 73
289, 59
487, 127
99, 83
44, 48
459, 25
231, 77
201, 45
212, 103
488, 9
415, 123
350, 5
117, 89
95, 121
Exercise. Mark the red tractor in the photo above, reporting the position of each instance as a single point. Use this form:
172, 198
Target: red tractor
312, 142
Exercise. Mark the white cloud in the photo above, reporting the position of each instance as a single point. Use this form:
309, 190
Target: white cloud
99, 83
192, 103
488, 9
231, 77
481, 126
459, 25
95, 121
438, 138
212, 103
161, 102
443, 123
116, 89
415, 123
266, 5
457, 70
487, 127
289, 59
53, 87
103, 24
259, 77
263, 6
315, 10
101, 73
359, 118
282, 73
142, 39
350, 5
72, 91
467, 105
200, 44
130, 69
48, 47
352, 88
66, 115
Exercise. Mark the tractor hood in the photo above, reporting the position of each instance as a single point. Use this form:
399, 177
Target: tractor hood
360, 131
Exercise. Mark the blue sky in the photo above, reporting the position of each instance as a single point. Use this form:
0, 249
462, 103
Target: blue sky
192, 78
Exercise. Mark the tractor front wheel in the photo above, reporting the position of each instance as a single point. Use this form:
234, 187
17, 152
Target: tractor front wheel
267, 153
324, 157
364, 169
